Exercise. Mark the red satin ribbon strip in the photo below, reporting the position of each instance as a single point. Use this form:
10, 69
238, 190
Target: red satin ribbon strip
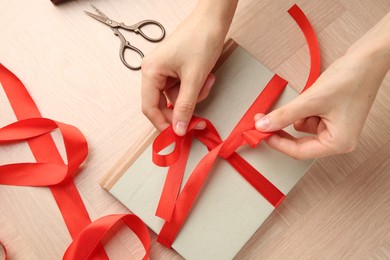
87, 242
225, 149
311, 39
211, 139
48, 173
175, 208
174, 179
50, 170
45, 151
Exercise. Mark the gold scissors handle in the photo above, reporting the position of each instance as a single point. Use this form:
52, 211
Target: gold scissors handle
137, 28
125, 45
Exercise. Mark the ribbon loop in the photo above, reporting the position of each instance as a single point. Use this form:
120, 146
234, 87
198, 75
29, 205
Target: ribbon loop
26, 129
50, 170
162, 141
86, 244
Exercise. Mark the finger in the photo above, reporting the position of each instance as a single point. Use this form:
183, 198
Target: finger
258, 116
308, 125
185, 103
308, 147
173, 92
205, 90
299, 108
172, 82
151, 92
168, 112
165, 109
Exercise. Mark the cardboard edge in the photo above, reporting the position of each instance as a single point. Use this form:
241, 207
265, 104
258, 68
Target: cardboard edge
124, 163
121, 166
228, 48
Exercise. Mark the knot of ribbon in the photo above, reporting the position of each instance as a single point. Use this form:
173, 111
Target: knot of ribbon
174, 206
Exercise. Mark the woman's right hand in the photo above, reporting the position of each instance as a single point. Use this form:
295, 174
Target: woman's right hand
179, 68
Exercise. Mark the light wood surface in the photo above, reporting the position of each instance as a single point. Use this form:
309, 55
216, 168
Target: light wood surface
70, 65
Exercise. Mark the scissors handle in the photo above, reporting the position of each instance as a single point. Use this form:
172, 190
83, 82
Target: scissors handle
137, 28
125, 45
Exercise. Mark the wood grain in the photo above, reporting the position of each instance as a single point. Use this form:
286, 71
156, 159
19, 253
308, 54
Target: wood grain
71, 67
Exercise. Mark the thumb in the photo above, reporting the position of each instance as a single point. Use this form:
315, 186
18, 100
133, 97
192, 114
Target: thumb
284, 116
185, 104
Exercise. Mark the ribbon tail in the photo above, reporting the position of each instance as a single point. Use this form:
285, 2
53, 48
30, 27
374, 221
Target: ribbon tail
269, 191
186, 198
173, 181
312, 42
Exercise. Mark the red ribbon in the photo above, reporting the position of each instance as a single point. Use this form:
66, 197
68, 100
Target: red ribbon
89, 239
50, 170
174, 207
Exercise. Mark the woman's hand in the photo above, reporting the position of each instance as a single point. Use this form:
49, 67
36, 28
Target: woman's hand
179, 68
335, 108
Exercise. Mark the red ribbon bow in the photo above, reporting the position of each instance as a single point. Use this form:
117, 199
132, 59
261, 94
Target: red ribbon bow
174, 207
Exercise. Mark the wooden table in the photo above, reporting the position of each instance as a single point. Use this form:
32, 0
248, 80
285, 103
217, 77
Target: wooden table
70, 65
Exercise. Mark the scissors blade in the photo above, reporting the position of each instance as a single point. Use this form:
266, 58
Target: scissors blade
97, 17
99, 12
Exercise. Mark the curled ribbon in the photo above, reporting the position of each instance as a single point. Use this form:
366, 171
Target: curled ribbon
173, 206
50, 170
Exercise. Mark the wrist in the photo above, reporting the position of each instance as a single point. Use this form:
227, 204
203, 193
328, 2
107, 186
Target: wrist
376, 56
374, 46
217, 14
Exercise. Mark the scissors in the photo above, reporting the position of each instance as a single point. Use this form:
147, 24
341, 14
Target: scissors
136, 28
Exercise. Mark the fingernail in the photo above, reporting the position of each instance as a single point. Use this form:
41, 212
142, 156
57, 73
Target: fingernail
200, 126
181, 128
211, 81
258, 116
263, 123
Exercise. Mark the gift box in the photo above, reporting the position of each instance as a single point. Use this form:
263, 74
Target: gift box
228, 210
229, 188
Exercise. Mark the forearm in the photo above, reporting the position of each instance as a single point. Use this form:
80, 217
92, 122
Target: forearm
218, 13
335, 108
374, 47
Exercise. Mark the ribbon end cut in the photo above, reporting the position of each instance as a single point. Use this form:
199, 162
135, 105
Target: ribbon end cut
164, 241
163, 214
292, 8
277, 203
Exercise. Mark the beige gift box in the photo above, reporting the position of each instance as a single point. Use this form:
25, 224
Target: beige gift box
228, 210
